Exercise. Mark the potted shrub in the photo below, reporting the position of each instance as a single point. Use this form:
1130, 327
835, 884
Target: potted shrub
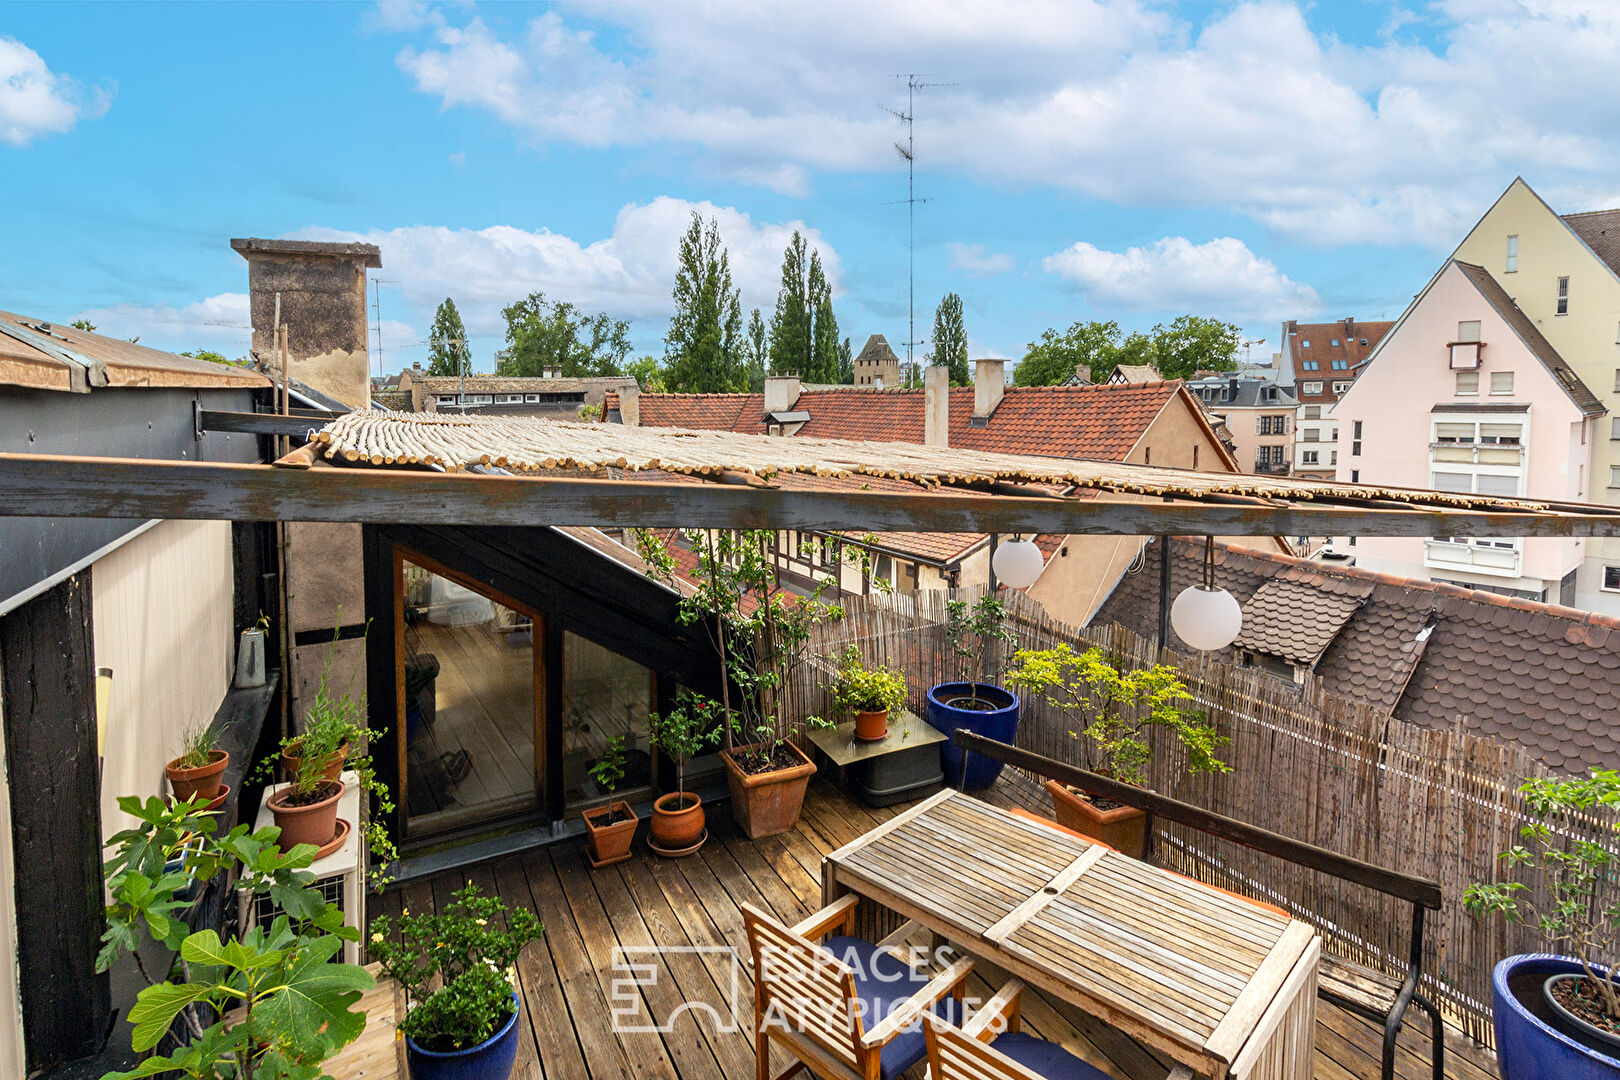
306, 807
611, 828
1113, 712
1558, 1013
276, 977
457, 967
761, 636
869, 694
678, 825
197, 772
979, 638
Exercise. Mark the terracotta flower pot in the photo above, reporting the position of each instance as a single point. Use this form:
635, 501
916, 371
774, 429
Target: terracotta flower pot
290, 759
610, 842
1123, 828
678, 821
202, 781
768, 803
872, 726
311, 823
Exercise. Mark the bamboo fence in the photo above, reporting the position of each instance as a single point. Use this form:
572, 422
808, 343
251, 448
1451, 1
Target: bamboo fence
1440, 804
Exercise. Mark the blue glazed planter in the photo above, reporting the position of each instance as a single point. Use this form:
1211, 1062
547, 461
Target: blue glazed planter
490, 1060
1527, 1047
1000, 724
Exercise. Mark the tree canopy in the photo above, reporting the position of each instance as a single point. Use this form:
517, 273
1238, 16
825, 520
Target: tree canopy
804, 330
1190, 344
544, 336
704, 347
448, 353
950, 347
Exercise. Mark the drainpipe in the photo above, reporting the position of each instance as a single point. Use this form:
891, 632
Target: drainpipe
1164, 592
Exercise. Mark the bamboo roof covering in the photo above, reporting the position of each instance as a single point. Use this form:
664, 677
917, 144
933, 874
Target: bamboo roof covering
523, 444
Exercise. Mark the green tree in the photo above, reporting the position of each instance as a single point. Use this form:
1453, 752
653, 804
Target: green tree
1053, 359
209, 355
823, 366
649, 374
703, 349
544, 335
846, 363
950, 347
791, 325
88, 327
1193, 343
447, 342
757, 352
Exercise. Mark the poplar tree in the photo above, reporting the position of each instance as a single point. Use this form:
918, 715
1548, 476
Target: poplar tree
448, 353
704, 348
757, 351
950, 347
791, 325
824, 326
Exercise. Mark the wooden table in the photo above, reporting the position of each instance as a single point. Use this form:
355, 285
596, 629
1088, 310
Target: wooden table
1222, 986
901, 766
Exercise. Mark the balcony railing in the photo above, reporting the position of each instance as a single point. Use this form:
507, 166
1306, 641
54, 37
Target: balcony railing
1279, 468
1467, 453
1474, 558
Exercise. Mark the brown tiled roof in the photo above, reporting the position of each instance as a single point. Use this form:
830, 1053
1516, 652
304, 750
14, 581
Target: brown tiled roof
1295, 619
876, 351
705, 412
1137, 373
512, 384
1323, 352
1543, 676
1600, 229
1533, 339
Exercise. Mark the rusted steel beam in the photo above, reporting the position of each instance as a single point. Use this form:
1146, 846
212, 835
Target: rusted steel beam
52, 486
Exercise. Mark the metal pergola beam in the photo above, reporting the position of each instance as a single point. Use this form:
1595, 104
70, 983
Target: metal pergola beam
296, 425
55, 486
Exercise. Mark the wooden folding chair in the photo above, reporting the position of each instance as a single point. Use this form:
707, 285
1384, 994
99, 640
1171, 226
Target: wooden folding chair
846, 1009
991, 1046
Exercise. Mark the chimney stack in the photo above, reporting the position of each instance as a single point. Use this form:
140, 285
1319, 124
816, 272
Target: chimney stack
781, 392
630, 405
322, 288
989, 383
1082, 374
937, 406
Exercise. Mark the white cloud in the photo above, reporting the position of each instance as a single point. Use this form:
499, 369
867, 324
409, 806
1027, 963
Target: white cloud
458, 159
1252, 110
35, 101
1221, 278
975, 260
628, 273
220, 323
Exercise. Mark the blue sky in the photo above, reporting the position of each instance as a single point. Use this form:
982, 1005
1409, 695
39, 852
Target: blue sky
1090, 159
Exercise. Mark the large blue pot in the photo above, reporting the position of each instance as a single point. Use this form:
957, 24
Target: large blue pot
1527, 1046
490, 1060
1000, 724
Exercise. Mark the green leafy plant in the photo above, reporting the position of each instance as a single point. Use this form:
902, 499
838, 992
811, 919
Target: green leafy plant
1115, 709
857, 688
198, 747
1571, 871
979, 638
469, 950
683, 731
294, 1007
609, 768
262, 622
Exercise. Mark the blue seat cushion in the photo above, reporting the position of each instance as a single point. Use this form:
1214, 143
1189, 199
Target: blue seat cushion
882, 982
1046, 1059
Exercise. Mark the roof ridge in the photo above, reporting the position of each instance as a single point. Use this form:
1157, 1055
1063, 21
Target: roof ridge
1589, 213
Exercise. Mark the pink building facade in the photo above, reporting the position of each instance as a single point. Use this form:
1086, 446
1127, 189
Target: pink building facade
1465, 394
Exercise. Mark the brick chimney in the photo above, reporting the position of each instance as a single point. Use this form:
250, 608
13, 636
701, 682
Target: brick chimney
630, 405
323, 306
989, 383
937, 406
781, 392
1082, 373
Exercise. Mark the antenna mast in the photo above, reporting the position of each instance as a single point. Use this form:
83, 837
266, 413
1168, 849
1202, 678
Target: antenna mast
376, 300
909, 152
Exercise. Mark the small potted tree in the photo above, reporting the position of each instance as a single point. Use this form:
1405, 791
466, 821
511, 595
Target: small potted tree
1113, 712
678, 825
868, 694
1558, 1013
457, 967
611, 828
306, 807
197, 771
979, 638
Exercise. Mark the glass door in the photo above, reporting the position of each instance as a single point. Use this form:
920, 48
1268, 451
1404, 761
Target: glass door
471, 716
605, 697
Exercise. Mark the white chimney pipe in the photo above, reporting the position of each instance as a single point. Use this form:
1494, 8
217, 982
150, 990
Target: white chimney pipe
630, 405
781, 393
937, 406
989, 383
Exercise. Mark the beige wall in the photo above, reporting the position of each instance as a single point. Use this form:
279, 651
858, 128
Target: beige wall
1242, 423
1073, 586
163, 623
11, 1032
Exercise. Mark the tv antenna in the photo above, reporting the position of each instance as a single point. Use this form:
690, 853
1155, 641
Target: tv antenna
376, 299
908, 151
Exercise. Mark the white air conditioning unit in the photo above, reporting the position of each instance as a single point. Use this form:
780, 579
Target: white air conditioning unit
339, 877
1464, 355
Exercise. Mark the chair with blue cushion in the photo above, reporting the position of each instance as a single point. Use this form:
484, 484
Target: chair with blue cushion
990, 1046
845, 1008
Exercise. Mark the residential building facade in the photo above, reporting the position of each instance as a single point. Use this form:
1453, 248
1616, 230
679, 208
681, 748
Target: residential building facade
499, 395
1259, 414
877, 364
1319, 361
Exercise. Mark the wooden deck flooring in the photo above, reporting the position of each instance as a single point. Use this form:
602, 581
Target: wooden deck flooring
692, 903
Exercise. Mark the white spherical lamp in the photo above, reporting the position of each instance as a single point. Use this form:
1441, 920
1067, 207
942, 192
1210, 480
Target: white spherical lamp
1017, 563
1206, 619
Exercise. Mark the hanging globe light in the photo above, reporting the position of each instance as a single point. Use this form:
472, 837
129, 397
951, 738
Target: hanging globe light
1017, 563
1205, 617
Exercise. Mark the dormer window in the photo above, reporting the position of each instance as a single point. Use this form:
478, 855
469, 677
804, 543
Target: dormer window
1310, 365
1334, 342
1305, 344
